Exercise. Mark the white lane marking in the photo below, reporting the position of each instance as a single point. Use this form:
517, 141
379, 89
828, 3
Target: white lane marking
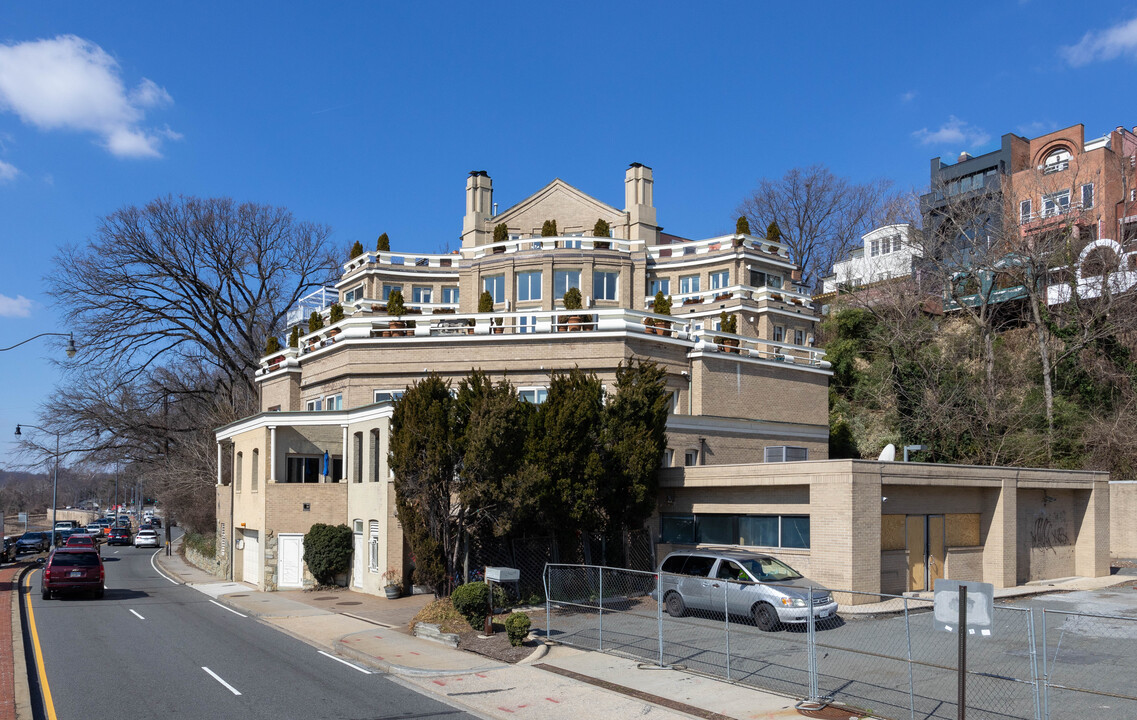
226, 608
159, 571
136, 614
345, 662
217, 677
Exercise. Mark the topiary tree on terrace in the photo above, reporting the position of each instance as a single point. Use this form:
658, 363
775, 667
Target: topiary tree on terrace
742, 226
383, 244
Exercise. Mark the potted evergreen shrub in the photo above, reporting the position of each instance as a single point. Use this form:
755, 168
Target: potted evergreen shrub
315, 322
485, 305
397, 309
601, 230
356, 250
660, 305
392, 580
774, 235
294, 337
573, 302
549, 228
728, 323
335, 314
383, 244
741, 227
500, 235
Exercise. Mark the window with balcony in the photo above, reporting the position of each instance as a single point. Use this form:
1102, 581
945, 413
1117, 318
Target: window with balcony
1024, 211
1056, 161
604, 285
495, 286
799, 337
388, 395
388, 289
527, 324
333, 402
529, 286
761, 279
570, 244
356, 293
668, 458
785, 453
720, 280
302, 468
421, 295
563, 280
658, 285
689, 284
314, 405
779, 333
1087, 196
450, 295
691, 458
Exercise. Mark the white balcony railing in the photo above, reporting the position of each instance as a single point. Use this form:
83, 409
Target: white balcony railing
566, 242
567, 325
396, 260
316, 301
748, 292
675, 251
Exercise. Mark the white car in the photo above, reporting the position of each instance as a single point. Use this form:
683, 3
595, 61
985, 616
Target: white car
146, 538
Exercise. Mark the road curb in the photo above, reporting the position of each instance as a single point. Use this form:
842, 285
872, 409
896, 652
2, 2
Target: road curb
20, 686
371, 661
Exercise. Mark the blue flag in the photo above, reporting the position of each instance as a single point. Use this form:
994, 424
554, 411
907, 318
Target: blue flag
327, 462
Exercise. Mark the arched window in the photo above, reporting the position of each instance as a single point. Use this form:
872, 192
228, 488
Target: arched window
1058, 159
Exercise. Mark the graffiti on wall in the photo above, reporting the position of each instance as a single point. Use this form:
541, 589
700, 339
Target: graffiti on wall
1048, 532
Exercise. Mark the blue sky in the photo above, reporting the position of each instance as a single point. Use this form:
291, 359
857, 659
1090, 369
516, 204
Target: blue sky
367, 116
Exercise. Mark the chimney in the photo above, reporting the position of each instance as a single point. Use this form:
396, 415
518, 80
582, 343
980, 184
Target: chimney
964, 156
479, 206
638, 204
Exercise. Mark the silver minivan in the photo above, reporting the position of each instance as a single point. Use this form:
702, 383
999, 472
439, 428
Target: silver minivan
743, 583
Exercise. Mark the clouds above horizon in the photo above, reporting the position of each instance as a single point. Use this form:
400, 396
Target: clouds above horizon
1108, 44
17, 307
8, 171
68, 83
953, 132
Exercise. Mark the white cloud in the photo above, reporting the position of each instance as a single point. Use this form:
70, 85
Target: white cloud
68, 83
953, 132
8, 171
1105, 44
908, 96
18, 306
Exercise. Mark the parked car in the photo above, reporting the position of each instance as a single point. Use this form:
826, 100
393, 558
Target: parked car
146, 538
747, 584
9, 549
118, 536
32, 542
73, 570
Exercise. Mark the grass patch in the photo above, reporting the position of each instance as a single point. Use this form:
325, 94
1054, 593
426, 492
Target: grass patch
442, 613
206, 545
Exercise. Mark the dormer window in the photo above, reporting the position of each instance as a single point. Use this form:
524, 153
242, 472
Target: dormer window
1057, 161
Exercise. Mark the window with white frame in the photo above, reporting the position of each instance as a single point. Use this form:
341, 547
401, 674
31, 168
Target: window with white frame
450, 295
421, 294
356, 293
874, 245
334, 402
674, 403
533, 395
388, 289
315, 404
779, 333
786, 453
495, 286
691, 458
571, 244
238, 464
1056, 203
688, 284
563, 280
660, 285
254, 474
604, 285
719, 280
388, 395
1087, 196
373, 546
668, 457
528, 286
527, 324
762, 279
799, 337
1024, 211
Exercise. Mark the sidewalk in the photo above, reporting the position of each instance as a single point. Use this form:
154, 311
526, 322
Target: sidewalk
558, 683
15, 697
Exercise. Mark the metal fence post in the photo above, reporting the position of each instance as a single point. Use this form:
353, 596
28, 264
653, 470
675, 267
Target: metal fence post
911, 680
1045, 673
659, 612
1033, 663
545, 577
811, 649
726, 623
600, 570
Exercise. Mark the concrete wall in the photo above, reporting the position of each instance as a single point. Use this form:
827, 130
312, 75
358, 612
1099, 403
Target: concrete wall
1123, 519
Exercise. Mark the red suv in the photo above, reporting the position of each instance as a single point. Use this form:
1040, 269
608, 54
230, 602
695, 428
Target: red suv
71, 569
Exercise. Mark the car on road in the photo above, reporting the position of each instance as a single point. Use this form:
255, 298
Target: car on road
73, 569
86, 541
32, 542
156, 521
754, 585
118, 536
95, 529
146, 538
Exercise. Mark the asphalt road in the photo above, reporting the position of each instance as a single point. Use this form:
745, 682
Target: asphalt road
153, 648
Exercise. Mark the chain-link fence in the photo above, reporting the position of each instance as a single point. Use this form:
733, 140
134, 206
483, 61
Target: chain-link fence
1088, 665
892, 661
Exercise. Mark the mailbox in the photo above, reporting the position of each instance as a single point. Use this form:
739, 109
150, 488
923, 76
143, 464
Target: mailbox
502, 574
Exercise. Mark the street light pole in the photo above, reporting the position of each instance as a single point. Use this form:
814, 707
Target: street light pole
55, 474
71, 349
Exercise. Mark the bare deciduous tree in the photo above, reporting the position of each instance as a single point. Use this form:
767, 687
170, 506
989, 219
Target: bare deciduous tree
822, 216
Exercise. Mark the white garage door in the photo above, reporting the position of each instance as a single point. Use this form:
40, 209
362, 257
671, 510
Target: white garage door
291, 554
252, 554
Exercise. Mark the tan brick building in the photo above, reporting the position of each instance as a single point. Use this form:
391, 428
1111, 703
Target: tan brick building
737, 398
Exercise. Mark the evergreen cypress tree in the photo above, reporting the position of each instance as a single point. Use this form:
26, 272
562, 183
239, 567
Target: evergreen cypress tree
742, 227
383, 244
356, 250
294, 337
773, 232
500, 233
601, 229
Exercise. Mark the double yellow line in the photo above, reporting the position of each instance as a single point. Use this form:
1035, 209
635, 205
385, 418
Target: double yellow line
48, 705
